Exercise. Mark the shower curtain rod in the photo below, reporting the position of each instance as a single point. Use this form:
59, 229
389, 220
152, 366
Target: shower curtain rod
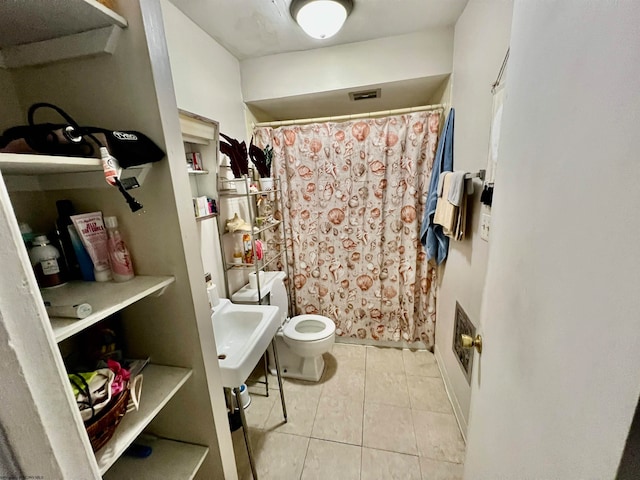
381, 113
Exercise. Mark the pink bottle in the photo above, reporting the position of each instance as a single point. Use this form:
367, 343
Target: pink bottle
119, 257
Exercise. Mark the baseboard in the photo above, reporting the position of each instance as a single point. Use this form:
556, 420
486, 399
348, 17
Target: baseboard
369, 342
457, 410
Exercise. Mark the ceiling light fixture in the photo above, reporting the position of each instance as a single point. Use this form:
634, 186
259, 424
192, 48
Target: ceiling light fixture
320, 18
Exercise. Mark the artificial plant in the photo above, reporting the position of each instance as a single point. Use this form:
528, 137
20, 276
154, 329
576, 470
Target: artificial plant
261, 159
237, 153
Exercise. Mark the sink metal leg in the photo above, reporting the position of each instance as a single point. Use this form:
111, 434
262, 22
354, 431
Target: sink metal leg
245, 431
266, 372
228, 398
275, 357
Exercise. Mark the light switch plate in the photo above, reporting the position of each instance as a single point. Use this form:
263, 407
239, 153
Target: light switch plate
485, 226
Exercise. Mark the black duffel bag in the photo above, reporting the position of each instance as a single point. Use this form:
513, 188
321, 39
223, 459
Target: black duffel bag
71, 140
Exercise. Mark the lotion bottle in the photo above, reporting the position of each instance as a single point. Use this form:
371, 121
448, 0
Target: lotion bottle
45, 261
119, 257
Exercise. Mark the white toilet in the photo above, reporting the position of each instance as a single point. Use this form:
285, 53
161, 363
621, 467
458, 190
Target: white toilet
302, 340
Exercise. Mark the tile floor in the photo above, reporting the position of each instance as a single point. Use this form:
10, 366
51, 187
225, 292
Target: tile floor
376, 414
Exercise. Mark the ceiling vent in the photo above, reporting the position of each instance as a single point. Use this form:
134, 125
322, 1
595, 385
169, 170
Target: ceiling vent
364, 95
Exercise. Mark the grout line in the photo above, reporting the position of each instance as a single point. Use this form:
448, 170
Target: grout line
393, 451
417, 455
264, 424
364, 402
333, 441
304, 460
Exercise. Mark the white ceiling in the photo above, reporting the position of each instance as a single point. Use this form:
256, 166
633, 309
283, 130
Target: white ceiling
254, 28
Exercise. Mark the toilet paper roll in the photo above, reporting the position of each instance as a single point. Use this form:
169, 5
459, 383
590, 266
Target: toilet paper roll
253, 280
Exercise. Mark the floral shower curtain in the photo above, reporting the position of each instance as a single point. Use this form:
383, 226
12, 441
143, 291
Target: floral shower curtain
354, 197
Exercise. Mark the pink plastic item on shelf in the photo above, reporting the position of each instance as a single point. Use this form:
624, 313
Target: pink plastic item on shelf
121, 377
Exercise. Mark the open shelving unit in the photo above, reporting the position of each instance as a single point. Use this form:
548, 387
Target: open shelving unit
251, 200
160, 383
163, 311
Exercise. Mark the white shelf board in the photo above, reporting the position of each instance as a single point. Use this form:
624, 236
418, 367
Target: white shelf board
204, 217
27, 164
106, 298
159, 385
197, 172
29, 21
169, 459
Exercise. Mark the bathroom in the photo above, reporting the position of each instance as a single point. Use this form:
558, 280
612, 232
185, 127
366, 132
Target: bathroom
536, 275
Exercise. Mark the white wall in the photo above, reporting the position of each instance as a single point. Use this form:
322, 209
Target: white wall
205, 75
207, 82
481, 41
560, 364
11, 112
383, 60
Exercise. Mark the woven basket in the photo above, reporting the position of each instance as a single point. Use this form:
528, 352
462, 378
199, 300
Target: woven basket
102, 428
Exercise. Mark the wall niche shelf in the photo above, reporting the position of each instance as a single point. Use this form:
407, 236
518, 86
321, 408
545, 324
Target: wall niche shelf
106, 298
200, 137
205, 217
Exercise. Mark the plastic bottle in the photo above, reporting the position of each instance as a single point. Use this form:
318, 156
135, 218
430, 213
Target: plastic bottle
84, 260
65, 210
237, 255
110, 166
27, 234
119, 256
44, 260
248, 250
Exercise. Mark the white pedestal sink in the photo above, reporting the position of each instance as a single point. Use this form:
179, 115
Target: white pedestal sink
242, 333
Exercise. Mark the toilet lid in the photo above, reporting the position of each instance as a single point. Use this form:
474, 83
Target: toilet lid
309, 328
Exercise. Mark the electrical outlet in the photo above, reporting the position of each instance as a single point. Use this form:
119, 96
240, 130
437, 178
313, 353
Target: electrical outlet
485, 226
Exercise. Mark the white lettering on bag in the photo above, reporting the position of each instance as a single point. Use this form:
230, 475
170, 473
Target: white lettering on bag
124, 136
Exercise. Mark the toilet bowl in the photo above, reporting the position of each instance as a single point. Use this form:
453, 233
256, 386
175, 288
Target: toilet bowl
302, 340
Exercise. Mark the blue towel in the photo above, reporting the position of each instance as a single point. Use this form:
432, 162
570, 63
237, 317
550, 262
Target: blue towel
431, 235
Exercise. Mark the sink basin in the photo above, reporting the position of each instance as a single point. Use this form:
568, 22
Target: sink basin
243, 333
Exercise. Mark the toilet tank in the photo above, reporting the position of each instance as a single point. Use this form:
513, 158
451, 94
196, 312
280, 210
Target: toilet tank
278, 295
273, 284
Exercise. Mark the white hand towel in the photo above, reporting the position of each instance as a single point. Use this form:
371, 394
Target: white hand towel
441, 182
446, 214
456, 188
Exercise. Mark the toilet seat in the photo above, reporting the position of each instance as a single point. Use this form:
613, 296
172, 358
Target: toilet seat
307, 328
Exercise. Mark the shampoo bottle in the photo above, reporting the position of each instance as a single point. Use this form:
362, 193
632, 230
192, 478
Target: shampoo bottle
119, 257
